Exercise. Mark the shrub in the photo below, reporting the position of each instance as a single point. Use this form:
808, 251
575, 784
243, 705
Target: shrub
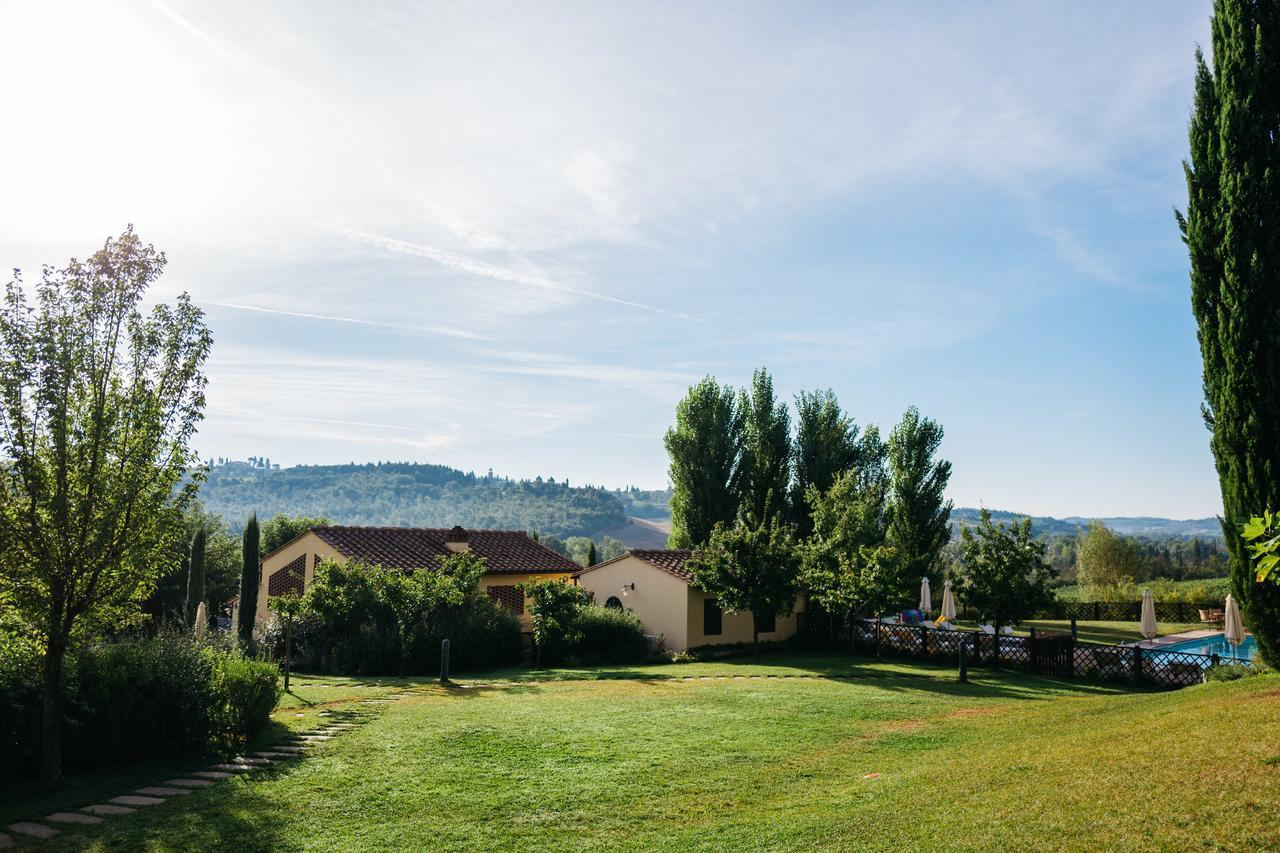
606, 635
161, 696
245, 693
481, 635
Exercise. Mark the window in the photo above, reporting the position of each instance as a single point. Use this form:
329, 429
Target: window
711, 617
767, 624
507, 597
614, 603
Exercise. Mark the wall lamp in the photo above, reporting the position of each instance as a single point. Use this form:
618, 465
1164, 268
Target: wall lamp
628, 587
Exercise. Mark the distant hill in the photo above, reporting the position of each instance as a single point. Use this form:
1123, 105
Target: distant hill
409, 494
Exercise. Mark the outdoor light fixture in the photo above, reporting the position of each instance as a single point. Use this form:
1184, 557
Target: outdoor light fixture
628, 587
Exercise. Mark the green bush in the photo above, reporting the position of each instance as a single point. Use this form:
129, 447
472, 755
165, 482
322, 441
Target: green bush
605, 635
166, 695
481, 635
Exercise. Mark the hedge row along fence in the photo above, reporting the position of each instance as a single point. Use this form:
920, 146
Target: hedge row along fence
1043, 653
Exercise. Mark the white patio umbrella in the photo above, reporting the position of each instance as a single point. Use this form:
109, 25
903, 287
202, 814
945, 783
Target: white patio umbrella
1232, 624
926, 596
202, 620
948, 601
1149, 627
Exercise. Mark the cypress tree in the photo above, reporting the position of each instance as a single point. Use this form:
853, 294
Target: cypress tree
765, 475
591, 555
195, 575
249, 577
705, 447
1232, 231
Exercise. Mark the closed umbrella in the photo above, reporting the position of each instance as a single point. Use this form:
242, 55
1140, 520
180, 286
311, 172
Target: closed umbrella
948, 601
202, 620
1232, 624
1149, 627
926, 596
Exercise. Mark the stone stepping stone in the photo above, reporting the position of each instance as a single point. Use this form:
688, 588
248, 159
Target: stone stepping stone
275, 755
232, 768
107, 810
188, 783
289, 750
6, 841
315, 738
73, 817
136, 800
252, 762
216, 775
35, 830
160, 791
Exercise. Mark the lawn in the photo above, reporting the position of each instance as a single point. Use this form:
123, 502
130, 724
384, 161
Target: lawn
812, 752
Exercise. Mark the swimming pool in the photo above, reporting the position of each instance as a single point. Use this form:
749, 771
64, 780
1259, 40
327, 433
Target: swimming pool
1214, 644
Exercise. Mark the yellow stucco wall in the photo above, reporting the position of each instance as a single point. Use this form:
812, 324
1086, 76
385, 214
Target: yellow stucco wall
312, 545
659, 600
734, 627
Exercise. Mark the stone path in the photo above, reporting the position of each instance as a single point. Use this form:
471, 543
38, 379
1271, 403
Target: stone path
292, 749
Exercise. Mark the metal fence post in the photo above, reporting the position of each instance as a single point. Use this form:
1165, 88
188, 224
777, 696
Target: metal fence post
444, 661
1137, 664
1031, 645
964, 669
1074, 631
924, 642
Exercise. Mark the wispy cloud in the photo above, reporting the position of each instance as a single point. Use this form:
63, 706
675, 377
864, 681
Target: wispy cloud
471, 266
449, 331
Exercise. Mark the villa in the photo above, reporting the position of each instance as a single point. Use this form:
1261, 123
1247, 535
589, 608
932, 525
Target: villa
513, 557
657, 587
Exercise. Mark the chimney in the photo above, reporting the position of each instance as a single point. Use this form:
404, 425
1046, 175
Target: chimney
456, 539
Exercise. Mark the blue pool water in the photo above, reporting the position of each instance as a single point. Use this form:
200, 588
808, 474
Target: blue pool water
1215, 644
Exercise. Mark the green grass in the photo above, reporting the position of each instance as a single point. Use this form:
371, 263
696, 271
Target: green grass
858, 755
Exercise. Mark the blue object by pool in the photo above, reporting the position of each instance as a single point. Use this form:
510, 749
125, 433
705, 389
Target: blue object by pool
1214, 644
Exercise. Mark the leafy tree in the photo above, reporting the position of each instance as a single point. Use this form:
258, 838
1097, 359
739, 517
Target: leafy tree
753, 569
826, 446
553, 607
288, 607
705, 447
847, 567
281, 529
98, 404
1233, 205
415, 597
764, 474
1105, 558
1003, 574
250, 575
195, 575
918, 515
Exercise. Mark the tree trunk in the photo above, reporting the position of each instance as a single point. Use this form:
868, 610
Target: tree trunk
288, 652
51, 722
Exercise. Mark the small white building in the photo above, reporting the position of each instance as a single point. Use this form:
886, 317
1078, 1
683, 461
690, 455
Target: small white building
657, 588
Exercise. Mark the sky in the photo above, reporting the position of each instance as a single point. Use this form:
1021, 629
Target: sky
512, 235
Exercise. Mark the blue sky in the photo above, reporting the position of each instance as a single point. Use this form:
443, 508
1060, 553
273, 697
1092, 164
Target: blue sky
512, 235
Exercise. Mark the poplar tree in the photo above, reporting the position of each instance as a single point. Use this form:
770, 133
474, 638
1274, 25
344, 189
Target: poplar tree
249, 578
918, 515
765, 469
826, 446
1232, 230
705, 447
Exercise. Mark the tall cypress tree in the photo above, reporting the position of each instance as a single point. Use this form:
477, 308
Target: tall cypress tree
705, 447
249, 577
764, 480
195, 575
1232, 231
918, 515
826, 446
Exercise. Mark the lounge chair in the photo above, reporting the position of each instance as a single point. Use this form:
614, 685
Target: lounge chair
1213, 617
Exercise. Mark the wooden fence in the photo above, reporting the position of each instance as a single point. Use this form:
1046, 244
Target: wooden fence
1043, 653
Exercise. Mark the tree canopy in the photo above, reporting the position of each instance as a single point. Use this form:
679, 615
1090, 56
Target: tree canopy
764, 478
705, 447
98, 405
826, 445
918, 514
1003, 573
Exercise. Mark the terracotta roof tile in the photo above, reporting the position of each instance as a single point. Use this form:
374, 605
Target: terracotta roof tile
507, 551
670, 560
